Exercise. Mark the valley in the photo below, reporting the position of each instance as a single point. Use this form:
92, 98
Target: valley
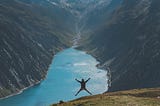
123, 35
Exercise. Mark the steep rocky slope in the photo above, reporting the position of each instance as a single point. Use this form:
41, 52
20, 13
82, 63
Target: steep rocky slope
129, 43
30, 34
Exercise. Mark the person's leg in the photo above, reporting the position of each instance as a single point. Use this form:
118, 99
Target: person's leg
78, 92
88, 91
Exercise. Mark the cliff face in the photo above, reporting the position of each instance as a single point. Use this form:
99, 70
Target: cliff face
129, 43
30, 34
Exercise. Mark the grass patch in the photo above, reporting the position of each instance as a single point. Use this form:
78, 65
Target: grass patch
137, 97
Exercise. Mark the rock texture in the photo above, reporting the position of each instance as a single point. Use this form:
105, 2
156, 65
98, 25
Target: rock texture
30, 34
129, 44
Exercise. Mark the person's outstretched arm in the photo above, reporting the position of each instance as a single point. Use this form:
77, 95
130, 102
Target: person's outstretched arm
77, 80
88, 80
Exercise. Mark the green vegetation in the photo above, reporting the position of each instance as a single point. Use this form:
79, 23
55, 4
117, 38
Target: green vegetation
137, 97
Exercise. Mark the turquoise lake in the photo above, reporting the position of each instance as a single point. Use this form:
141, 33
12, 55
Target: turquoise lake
60, 82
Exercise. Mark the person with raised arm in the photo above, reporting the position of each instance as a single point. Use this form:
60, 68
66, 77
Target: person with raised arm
83, 86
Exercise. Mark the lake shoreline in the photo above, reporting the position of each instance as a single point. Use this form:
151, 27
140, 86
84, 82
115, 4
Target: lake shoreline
32, 85
67, 64
22, 90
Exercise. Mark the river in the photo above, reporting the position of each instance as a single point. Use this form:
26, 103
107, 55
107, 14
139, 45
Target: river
60, 82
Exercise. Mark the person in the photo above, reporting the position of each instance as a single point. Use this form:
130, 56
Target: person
83, 86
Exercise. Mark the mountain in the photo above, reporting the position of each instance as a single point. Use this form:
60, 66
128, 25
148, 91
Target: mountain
98, 13
122, 34
30, 34
129, 44
136, 97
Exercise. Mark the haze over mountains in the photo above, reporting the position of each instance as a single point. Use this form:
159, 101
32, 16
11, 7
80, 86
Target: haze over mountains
121, 34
